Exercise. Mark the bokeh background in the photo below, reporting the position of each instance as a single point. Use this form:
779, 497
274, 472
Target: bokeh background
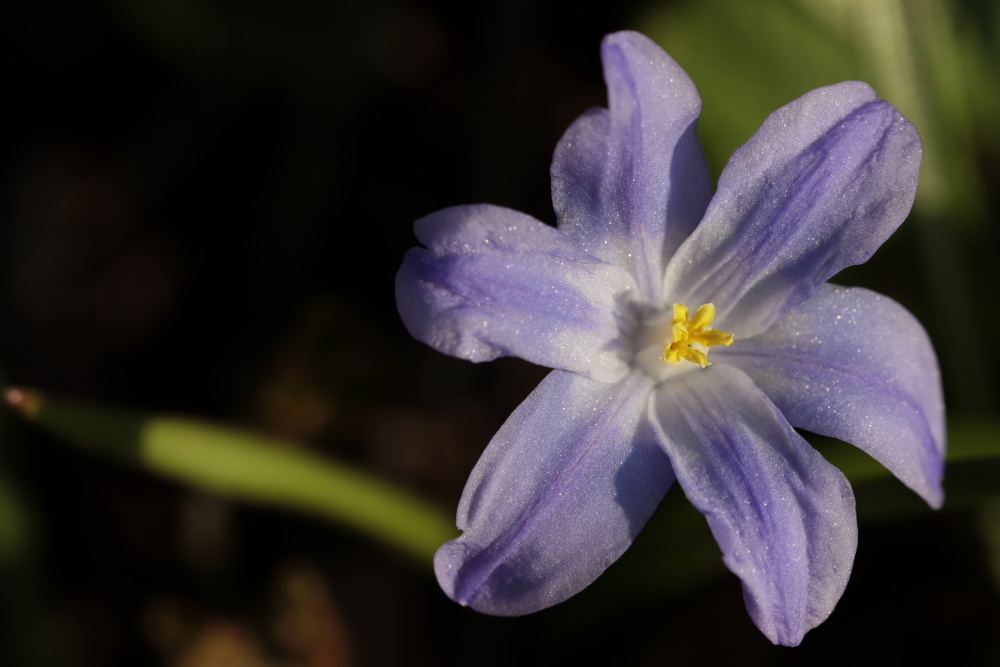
204, 204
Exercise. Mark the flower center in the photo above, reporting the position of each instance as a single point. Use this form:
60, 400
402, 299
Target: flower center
693, 335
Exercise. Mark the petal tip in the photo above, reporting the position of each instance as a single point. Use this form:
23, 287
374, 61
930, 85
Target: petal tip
934, 497
625, 37
467, 580
447, 563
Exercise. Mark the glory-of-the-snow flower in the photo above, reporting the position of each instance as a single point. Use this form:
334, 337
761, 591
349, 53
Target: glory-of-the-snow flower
689, 334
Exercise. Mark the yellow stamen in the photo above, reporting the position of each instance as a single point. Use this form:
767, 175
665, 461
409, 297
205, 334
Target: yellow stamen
694, 330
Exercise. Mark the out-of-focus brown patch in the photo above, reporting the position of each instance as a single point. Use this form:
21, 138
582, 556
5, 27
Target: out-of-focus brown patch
205, 532
432, 448
410, 46
305, 628
308, 624
222, 643
294, 402
94, 273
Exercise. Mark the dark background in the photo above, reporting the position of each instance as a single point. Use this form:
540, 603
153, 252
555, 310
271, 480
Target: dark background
204, 204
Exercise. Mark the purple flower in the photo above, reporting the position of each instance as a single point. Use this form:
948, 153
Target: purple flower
689, 334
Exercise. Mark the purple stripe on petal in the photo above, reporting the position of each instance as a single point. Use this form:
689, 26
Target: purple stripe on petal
782, 515
629, 183
558, 495
494, 282
855, 365
819, 187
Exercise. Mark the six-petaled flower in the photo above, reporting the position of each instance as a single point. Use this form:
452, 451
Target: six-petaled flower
690, 334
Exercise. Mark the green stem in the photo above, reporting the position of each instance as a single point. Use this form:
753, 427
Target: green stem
247, 466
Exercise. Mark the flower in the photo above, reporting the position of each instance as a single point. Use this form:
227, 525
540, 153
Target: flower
643, 392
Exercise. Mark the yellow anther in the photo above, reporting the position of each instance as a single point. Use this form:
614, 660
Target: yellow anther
695, 331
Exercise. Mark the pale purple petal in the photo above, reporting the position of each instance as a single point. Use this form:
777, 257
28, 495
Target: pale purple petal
782, 515
629, 183
855, 365
494, 282
818, 188
559, 494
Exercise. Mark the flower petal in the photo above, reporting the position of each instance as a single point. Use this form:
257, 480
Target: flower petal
782, 515
819, 187
494, 282
855, 365
629, 183
559, 494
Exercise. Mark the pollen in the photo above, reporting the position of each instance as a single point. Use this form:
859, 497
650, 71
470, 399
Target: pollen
693, 335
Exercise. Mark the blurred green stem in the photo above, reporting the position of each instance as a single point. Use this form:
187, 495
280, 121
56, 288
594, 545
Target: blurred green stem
247, 466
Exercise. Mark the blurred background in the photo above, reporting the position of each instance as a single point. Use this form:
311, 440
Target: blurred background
203, 207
